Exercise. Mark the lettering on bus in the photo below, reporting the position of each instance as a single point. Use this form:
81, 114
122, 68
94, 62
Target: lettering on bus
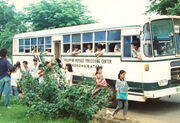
89, 61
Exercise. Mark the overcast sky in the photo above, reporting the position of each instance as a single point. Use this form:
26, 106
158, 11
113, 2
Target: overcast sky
105, 11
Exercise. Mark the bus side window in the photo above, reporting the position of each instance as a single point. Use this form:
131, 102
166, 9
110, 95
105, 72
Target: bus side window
87, 42
27, 45
114, 39
48, 44
66, 43
100, 38
76, 42
33, 45
21, 45
127, 46
41, 44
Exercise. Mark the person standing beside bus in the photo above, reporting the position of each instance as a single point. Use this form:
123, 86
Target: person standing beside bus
14, 81
100, 81
121, 95
26, 69
68, 74
5, 80
100, 51
34, 68
136, 50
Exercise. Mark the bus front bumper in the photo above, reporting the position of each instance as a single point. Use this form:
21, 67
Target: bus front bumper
162, 92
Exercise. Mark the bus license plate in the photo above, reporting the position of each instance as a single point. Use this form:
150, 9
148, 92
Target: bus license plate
177, 89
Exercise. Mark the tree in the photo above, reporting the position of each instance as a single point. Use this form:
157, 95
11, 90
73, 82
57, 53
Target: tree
11, 23
57, 13
165, 7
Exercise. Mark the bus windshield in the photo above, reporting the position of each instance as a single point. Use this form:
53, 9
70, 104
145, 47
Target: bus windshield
163, 37
177, 33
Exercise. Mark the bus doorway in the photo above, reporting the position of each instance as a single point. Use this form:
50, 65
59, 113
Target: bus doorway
57, 49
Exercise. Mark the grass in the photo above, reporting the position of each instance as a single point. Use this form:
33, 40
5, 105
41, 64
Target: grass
18, 114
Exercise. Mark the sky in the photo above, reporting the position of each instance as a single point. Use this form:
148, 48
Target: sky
106, 11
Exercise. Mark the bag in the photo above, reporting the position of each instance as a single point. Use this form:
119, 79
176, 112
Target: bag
103, 82
123, 96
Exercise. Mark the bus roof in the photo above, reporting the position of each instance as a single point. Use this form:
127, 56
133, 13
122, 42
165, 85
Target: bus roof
73, 29
90, 27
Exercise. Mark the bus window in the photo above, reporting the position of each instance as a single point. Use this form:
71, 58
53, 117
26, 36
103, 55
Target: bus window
33, 45
127, 46
87, 42
113, 38
41, 44
88, 48
76, 42
27, 45
147, 41
66, 43
21, 45
48, 44
100, 38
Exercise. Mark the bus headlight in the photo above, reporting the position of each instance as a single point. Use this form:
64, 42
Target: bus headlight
163, 82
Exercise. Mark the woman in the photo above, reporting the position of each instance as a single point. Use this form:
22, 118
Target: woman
68, 74
121, 95
100, 81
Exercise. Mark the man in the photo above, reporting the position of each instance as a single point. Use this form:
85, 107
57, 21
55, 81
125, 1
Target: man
34, 68
5, 80
117, 48
26, 68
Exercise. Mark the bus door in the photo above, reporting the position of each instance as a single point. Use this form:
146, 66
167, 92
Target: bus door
57, 49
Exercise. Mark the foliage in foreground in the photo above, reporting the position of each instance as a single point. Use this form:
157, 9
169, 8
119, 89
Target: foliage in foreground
52, 102
18, 114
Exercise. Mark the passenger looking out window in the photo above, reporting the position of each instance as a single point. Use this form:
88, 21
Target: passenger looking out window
89, 49
136, 51
76, 51
34, 50
117, 48
100, 50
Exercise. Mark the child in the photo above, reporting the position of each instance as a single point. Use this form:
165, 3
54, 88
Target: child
100, 51
121, 95
100, 81
40, 73
14, 81
68, 74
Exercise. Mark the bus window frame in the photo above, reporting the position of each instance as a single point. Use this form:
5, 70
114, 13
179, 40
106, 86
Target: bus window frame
23, 38
122, 50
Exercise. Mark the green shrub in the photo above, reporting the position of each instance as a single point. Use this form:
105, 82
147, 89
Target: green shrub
52, 102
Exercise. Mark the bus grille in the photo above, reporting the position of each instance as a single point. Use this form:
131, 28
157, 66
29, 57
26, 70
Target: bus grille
175, 74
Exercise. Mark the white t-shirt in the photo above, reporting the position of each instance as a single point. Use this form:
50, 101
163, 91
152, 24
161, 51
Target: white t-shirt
62, 71
34, 71
68, 76
134, 55
14, 77
88, 51
102, 51
117, 48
